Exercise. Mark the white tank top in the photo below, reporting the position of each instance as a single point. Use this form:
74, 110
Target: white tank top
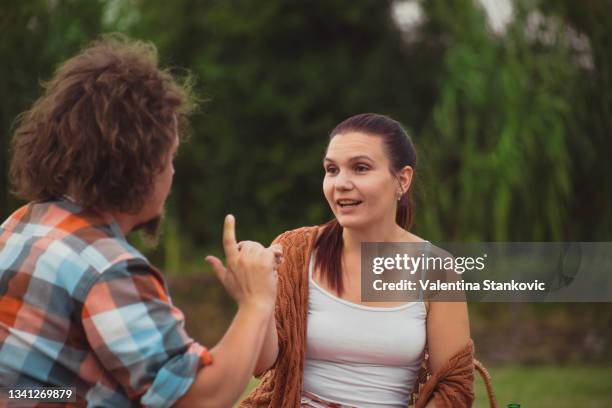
359, 355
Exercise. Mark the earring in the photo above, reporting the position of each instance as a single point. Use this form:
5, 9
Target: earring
399, 195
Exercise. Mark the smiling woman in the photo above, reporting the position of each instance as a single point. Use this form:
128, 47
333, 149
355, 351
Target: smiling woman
325, 347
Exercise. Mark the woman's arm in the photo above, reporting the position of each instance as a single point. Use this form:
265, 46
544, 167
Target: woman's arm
269, 349
448, 332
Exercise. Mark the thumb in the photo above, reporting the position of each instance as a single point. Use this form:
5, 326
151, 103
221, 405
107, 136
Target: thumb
217, 265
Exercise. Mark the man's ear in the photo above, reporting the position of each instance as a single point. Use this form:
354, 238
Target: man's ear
404, 177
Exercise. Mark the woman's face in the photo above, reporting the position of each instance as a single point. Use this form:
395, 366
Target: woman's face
360, 189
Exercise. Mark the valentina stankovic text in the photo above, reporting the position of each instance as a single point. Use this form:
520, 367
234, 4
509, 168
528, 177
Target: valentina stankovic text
460, 285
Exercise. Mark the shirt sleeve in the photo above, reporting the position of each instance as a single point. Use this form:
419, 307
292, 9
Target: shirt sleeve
139, 336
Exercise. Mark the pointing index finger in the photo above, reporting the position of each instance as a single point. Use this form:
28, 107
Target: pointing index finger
230, 246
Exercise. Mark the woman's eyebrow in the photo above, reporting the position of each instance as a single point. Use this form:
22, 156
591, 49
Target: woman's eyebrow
360, 157
352, 159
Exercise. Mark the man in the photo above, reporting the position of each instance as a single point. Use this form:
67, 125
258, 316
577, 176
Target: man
79, 306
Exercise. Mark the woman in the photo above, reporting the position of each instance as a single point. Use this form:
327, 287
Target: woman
325, 347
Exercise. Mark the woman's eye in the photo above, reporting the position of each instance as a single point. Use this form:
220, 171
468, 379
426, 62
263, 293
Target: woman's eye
330, 169
361, 168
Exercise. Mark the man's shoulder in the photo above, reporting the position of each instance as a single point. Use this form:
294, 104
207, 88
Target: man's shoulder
63, 229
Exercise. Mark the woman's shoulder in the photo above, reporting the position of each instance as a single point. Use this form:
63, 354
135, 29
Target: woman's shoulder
297, 245
432, 249
409, 237
297, 236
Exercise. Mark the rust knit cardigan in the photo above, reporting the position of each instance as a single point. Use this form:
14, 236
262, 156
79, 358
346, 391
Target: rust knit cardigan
281, 385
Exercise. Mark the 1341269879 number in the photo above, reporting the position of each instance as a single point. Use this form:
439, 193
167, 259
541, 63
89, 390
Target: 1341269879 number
43, 394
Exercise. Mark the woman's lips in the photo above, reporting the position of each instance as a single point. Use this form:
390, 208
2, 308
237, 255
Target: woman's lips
347, 205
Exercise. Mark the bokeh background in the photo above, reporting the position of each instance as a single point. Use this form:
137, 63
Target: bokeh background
509, 103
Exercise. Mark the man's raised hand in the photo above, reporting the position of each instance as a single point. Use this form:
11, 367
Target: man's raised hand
250, 276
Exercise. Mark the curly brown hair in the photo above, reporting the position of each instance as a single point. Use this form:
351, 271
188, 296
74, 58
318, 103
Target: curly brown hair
103, 128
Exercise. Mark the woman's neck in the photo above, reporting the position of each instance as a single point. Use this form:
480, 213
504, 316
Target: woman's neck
381, 233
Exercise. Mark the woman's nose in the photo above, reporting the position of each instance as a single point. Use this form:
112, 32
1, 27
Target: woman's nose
343, 181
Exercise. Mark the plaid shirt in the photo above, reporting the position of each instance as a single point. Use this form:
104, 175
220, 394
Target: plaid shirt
80, 307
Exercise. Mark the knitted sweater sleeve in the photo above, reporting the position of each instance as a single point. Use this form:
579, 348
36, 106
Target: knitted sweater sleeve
281, 385
452, 386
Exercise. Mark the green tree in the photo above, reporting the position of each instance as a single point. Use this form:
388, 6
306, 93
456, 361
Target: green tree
498, 140
35, 36
513, 128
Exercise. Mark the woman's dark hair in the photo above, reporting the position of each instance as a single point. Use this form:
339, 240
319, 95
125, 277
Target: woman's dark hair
102, 130
400, 152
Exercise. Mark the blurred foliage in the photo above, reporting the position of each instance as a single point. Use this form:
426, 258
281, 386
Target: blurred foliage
513, 128
35, 36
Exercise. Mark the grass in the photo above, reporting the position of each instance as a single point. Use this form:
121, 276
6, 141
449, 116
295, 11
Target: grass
543, 386
549, 386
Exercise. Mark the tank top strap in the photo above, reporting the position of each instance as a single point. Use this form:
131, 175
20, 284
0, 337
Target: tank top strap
311, 265
426, 252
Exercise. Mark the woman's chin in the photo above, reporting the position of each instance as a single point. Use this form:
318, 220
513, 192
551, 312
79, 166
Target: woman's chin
351, 222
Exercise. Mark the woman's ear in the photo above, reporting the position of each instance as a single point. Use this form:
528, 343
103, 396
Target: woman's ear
404, 176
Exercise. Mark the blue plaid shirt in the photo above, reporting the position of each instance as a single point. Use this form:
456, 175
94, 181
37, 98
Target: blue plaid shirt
80, 307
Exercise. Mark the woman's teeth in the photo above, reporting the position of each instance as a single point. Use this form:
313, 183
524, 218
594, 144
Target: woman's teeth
348, 203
